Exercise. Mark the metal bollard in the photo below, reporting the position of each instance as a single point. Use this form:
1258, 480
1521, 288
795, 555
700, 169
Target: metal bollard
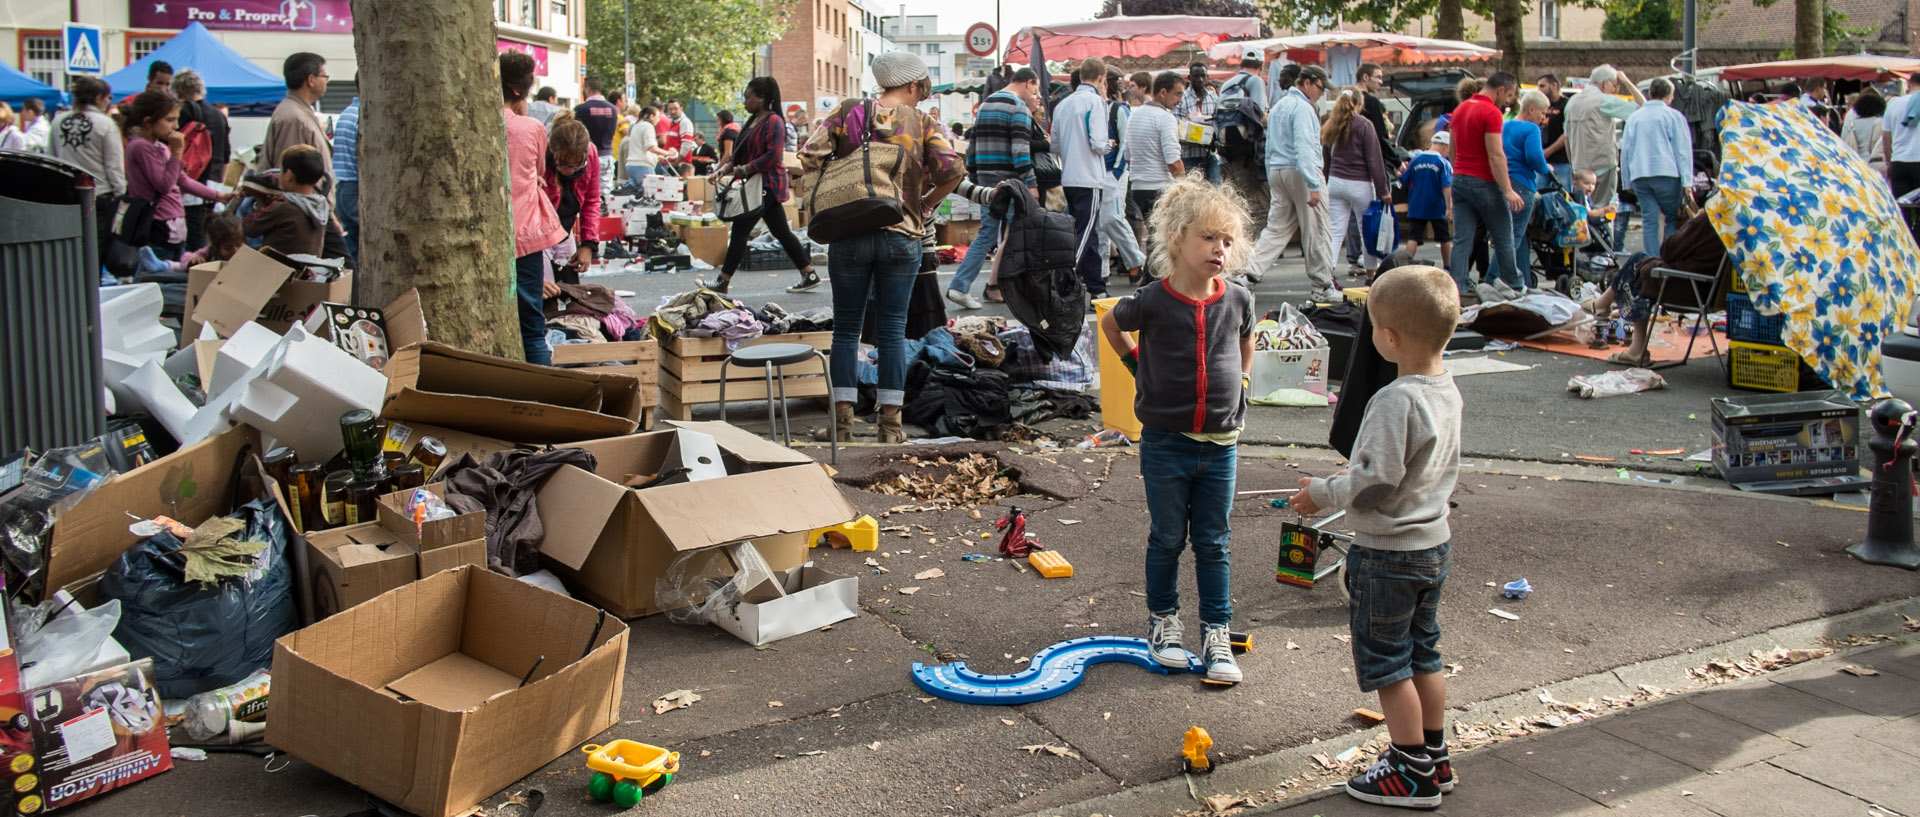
1890, 500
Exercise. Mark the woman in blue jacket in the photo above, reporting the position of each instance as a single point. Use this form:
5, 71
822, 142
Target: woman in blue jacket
1526, 166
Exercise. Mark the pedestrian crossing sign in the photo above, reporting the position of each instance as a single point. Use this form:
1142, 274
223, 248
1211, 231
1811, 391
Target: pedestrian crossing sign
82, 51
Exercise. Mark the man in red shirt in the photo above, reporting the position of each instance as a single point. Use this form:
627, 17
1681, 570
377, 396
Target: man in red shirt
1483, 197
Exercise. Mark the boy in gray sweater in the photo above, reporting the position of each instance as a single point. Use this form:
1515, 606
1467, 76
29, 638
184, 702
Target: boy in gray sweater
1395, 491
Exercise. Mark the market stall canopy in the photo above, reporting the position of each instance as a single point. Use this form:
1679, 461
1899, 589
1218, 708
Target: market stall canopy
1380, 47
1868, 67
1128, 37
230, 78
1815, 235
16, 87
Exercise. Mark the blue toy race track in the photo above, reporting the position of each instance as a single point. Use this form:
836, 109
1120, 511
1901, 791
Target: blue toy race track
1054, 671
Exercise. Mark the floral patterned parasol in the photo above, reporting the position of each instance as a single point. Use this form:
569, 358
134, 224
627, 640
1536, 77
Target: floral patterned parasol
1814, 233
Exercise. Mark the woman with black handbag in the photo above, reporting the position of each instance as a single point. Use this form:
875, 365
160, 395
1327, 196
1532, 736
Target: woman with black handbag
756, 172
151, 214
883, 166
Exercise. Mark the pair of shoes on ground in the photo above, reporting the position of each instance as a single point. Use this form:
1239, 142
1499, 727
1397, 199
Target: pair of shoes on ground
1164, 640
1406, 781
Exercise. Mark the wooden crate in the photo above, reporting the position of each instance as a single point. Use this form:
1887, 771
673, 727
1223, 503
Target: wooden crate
690, 373
644, 366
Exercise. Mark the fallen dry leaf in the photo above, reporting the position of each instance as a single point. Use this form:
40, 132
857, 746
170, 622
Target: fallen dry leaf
924, 575
974, 514
1499, 613
1344, 639
1056, 751
774, 704
812, 753
1106, 716
1452, 670
908, 591
1292, 646
1913, 624
706, 753
1859, 672
1069, 521
677, 699
1224, 803
1006, 721
874, 746
924, 700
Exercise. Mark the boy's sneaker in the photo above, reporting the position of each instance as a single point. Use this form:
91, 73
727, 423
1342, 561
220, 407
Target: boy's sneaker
1442, 768
1218, 652
1164, 640
1397, 780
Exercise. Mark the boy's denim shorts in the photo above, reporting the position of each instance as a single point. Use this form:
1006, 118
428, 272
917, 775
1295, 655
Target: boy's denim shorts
1395, 613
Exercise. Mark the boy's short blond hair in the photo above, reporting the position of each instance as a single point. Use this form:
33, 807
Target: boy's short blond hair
1585, 176
1421, 303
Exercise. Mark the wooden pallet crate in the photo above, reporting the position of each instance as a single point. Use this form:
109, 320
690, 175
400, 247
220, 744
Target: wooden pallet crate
639, 359
690, 373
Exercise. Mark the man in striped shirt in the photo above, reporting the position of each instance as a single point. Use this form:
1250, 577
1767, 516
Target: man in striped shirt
1000, 149
346, 175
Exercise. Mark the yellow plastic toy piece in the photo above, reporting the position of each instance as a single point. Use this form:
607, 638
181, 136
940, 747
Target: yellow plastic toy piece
625, 770
1356, 295
1050, 564
860, 534
1193, 754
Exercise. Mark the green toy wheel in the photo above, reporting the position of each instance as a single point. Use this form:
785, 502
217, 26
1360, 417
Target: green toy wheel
626, 794
600, 787
658, 783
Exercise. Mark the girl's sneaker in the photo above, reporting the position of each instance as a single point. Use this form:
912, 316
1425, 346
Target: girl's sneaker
1397, 779
1164, 640
1218, 653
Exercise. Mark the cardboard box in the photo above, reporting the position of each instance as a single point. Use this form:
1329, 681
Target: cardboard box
432, 534
700, 188
457, 442
371, 335
20, 791
253, 287
809, 598
508, 400
707, 243
97, 732
191, 485
956, 233
416, 696
639, 359
664, 188
1288, 369
610, 543
350, 565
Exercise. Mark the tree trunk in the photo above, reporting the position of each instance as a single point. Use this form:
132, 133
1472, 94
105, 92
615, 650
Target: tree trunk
1809, 29
1449, 22
433, 157
1510, 35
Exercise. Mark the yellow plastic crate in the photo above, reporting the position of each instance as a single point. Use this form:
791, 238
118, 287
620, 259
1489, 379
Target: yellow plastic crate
1763, 367
1050, 564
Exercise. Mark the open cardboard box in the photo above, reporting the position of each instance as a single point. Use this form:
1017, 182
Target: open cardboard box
417, 696
431, 534
518, 402
610, 543
808, 598
253, 287
355, 563
371, 335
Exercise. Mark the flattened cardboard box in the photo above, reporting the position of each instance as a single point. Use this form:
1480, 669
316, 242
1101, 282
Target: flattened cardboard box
508, 400
811, 598
415, 696
611, 543
98, 732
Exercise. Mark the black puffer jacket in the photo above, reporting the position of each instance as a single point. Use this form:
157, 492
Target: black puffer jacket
1037, 275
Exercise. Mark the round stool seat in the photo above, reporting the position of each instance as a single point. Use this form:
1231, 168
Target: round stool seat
778, 354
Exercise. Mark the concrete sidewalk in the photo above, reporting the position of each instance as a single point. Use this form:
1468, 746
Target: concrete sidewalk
1807, 741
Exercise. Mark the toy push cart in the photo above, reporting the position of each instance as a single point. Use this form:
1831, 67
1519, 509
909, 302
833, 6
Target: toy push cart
625, 770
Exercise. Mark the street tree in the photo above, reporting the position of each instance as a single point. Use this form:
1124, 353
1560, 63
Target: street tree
433, 157
1198, 8
701, 50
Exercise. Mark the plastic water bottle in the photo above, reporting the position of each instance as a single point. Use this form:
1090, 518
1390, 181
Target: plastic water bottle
1103, 439
210, 712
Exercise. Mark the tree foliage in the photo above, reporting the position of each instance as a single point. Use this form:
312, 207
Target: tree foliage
1200, 8
1641, 20
699, 50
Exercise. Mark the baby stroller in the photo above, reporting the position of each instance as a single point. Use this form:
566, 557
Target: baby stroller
1569, 244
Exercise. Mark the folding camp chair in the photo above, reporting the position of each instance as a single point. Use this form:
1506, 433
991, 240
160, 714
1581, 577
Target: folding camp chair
1706, 293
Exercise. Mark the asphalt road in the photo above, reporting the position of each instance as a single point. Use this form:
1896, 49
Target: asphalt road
1625, 571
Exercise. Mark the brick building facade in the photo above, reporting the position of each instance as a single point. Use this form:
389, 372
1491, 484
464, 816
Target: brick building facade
812, 62
1895, 24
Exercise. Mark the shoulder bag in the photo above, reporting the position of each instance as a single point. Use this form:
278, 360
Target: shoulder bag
860, 192
133, 221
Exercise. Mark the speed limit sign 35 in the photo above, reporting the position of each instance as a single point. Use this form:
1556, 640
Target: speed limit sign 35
982, 40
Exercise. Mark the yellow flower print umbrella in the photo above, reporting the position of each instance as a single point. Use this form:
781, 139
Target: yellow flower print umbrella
1815, 235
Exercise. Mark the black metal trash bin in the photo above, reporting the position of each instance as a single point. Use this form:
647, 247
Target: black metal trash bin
50, 370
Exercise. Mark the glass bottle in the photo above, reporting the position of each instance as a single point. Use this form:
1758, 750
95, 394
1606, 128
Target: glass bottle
335, 500
408, 477
363, 499
360, 434
429, 454
279, 464
308, 480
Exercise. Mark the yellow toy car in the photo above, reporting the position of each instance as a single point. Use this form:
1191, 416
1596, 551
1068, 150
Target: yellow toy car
626, 770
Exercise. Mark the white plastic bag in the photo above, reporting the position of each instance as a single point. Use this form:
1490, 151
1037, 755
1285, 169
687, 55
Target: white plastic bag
1615, 383
66, 645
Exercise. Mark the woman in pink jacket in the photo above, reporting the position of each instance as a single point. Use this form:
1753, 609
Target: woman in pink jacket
536, 227
571, 180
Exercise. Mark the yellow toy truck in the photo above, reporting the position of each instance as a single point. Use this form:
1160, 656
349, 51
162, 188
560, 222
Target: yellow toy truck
624, 771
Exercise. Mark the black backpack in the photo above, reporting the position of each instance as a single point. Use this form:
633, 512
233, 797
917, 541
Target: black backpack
1239, 125
1037, 275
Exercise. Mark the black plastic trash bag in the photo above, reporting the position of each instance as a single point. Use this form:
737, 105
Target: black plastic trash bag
201, 638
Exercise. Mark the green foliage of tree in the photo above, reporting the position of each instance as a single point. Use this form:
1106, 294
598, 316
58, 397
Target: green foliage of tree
682, 49
1199, 8
1642, 20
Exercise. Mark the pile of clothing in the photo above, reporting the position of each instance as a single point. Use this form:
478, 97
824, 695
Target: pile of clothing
703, 313
982, 377
593, 314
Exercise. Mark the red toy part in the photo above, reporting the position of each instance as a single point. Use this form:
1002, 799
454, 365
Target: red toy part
1016, 543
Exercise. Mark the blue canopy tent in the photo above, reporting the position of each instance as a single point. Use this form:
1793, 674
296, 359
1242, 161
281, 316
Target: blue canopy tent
16, 87
230, 78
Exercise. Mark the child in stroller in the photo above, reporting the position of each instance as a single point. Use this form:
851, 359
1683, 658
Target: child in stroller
1568, 267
